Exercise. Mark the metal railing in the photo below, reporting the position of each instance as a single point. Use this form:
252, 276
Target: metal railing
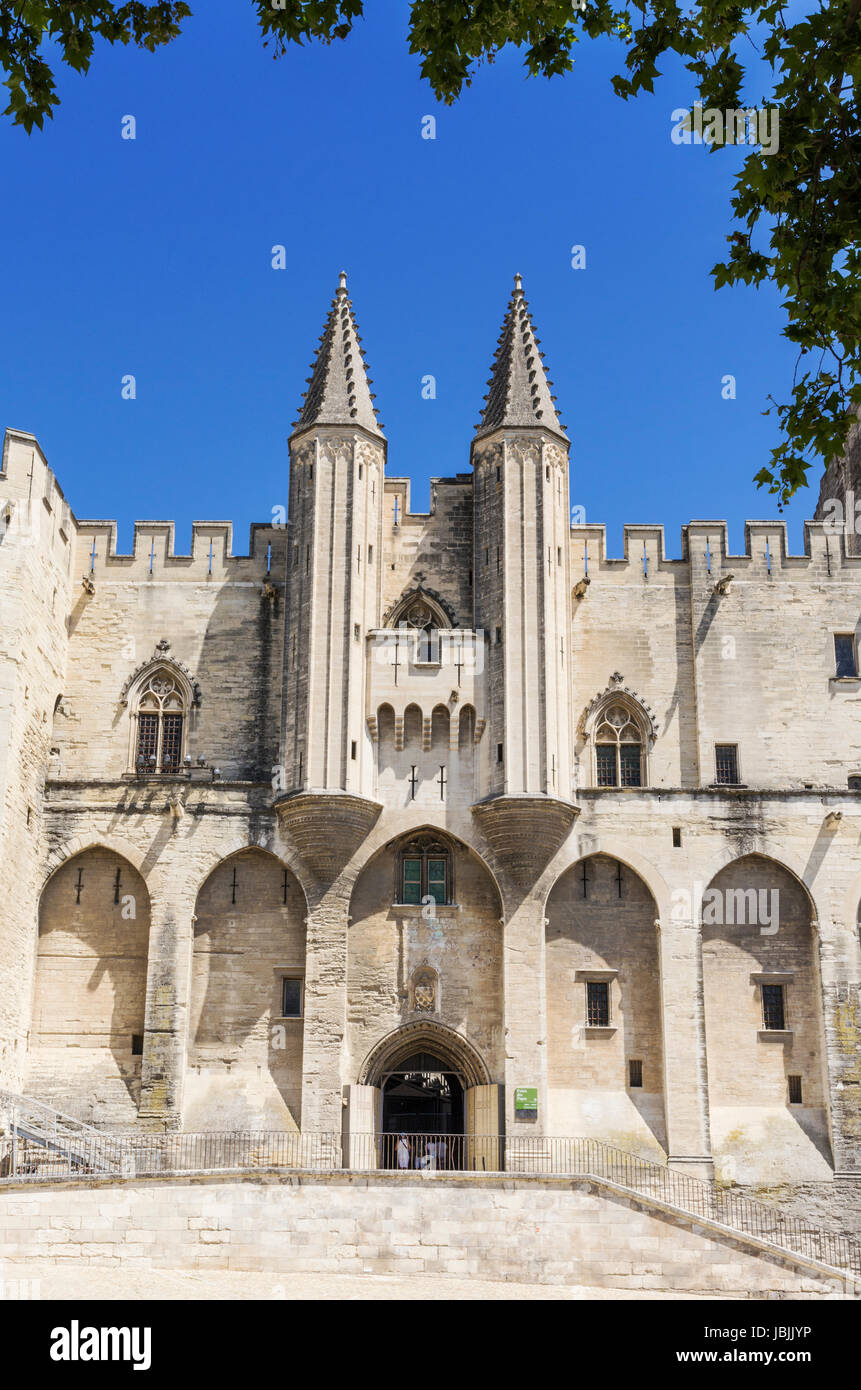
40, 1137
25, 1155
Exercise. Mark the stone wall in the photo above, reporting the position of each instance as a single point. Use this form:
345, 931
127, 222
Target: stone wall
757, 1133
533, 1230
609, 927
244, 1057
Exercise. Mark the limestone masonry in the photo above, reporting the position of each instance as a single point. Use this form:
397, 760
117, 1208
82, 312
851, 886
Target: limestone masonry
442, 822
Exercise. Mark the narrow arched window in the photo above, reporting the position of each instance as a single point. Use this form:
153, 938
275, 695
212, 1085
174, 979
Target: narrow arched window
424, 871
160, 720
618, 749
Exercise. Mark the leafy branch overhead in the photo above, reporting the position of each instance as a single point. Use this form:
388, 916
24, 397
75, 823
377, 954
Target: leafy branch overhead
796, 208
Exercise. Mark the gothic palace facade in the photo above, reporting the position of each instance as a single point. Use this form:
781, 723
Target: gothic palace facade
433, 820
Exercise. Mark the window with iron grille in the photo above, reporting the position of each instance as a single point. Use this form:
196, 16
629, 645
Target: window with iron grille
597, 1004
846, 662
795, 1090
618, 749
147, 740
635, 1072
425, 871
171, 742
726, 764
160, 711
773, 1010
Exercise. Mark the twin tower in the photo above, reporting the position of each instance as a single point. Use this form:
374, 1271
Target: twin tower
353, 572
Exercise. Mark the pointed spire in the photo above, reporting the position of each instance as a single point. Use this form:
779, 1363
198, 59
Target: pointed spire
519, 388
339, 388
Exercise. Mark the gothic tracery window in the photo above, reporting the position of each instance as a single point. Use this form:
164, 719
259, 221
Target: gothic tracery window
618, 749
424, 871
160, 720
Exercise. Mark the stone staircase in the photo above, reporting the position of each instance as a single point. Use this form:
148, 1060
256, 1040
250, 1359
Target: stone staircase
39, 1141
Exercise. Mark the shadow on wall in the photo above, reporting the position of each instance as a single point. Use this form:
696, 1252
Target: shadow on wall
604, 1008
244, 1068
90, 995
763, 1016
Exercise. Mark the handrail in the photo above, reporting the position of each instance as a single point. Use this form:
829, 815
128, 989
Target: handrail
94, 1153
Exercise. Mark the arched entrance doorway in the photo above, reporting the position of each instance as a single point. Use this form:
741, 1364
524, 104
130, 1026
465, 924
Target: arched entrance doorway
422, 1104
427, 1094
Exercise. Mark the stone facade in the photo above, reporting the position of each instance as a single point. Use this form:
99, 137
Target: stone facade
217, 773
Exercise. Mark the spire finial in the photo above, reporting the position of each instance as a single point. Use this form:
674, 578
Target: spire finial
342, 281
518, 284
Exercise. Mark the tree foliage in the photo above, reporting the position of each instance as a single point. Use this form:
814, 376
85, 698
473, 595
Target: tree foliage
796, 209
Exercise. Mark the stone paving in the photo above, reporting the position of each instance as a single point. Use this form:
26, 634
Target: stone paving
19, 1280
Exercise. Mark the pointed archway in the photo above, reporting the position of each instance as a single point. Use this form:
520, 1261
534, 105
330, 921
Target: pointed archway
425, 1092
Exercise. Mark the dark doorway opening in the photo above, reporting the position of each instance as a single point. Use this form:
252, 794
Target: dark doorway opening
422, 1115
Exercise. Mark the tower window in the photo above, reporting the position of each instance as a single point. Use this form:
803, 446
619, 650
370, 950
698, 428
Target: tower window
353, 750
773, 1008
160, 720
635, 1072
425, 871
726, 764
360, 471
137, 1044
370, 554
499, 634
618, 750
795, 1090
597, 1004
677, 837
499, 752
846, 661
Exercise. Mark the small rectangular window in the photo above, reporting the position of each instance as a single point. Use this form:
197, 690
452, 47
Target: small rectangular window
677, 837
499, 752
353, 750
726, 764
137, 1044
291, 998
499, 634
559, 555
846, 664
795, 1090
773, 1008
635, 1072
597, 1004
498, 473
355, 632
370, 554
360, 471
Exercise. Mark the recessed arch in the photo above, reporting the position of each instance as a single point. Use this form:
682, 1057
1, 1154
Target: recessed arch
90, 984
425, 1035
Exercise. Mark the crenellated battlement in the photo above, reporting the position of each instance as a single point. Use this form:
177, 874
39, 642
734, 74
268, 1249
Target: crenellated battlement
154, 556
705, 549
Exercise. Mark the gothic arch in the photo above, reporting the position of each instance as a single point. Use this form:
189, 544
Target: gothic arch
621, 850
437, 609
444, 1042
781, 859
78, 845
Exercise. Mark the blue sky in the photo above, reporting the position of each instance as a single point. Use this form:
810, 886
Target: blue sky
153, 257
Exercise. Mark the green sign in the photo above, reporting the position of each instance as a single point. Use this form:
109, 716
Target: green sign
526, 1099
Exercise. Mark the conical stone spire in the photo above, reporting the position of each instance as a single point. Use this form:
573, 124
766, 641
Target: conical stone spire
519, 391
339, 388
